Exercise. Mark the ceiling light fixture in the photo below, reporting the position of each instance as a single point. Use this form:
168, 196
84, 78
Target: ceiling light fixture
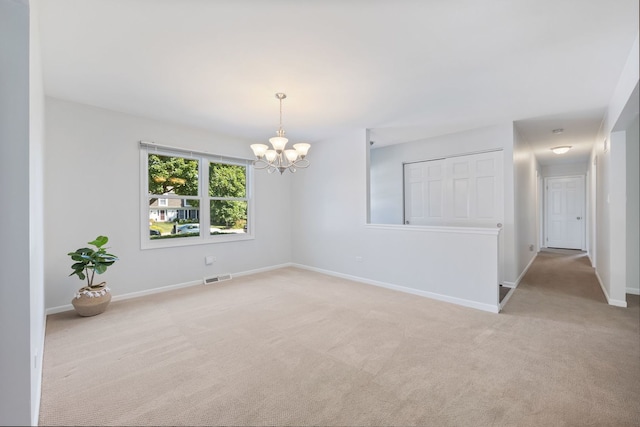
280, 159
561, 149
557, 131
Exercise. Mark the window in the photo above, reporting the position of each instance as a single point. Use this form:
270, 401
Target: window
193, 198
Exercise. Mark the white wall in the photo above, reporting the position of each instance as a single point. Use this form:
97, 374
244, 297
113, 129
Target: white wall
387, 178
331, 234
566, 169
525, 168
36, 212
633, 207
92, 187
602, 241
617, 195
386, 172
611, 180
21, 313
611, 217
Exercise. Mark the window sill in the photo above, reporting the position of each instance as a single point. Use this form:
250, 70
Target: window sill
194, 241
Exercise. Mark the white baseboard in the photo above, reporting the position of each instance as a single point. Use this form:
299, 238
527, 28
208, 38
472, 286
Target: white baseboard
610, 301
263, 269
69, 307
458, 301
633, 291
593, 264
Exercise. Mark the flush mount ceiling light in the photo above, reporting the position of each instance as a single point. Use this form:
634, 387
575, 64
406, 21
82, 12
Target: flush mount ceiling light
561, 149
280, 159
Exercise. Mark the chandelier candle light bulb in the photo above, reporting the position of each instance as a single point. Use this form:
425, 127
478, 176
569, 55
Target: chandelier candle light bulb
279, 158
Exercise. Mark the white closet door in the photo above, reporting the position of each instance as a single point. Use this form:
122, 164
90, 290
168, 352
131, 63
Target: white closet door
459, 180
488, 206
475, 189
424, 192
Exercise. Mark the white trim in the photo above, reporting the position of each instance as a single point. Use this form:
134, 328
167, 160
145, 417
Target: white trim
610, 301
633, 291
470, 153
492, 231
458, 301
263, 269
69, 307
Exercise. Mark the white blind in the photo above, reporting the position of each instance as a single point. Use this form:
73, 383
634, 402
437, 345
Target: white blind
167, 149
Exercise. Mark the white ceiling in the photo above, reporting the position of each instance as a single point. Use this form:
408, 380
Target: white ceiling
396, 66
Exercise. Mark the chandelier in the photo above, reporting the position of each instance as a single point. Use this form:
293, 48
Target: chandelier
278, 158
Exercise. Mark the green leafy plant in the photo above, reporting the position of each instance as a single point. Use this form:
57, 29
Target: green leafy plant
90, 261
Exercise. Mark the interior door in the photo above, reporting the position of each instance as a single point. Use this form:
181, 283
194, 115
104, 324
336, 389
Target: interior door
565, 212
474, 189
465, 190
424, 192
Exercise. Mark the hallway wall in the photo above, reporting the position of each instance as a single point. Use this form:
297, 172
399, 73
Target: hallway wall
609, 161
633, 207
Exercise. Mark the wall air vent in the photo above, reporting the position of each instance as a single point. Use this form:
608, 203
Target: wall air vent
216, 279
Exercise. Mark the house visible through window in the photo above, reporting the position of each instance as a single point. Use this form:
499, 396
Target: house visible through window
194, 198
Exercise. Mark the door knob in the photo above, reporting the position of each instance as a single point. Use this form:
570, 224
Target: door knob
578, 217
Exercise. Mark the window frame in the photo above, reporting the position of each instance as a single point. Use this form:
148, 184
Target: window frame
204, 159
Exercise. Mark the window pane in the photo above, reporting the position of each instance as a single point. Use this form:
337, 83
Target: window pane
227, 180
228, 216
173, 175
179, 218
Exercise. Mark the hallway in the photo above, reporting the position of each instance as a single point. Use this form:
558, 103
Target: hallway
561, 284
598, 344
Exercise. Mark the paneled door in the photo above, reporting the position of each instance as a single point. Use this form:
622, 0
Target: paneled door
463, 190
564, 222
424, 192
474, 193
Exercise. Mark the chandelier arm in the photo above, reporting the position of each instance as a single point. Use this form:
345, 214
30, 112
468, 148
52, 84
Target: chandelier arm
301, 163
261, 164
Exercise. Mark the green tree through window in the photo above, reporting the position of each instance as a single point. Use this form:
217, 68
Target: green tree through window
172, 175
228, 182
194, 197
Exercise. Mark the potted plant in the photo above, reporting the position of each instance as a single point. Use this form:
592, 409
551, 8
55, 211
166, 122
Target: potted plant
92, 299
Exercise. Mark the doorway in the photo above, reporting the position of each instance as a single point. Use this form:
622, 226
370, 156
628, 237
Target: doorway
564, 221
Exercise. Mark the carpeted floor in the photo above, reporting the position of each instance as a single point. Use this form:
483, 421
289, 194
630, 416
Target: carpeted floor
292, 347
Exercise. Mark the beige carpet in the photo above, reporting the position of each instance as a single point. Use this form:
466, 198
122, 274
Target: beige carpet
291, 347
